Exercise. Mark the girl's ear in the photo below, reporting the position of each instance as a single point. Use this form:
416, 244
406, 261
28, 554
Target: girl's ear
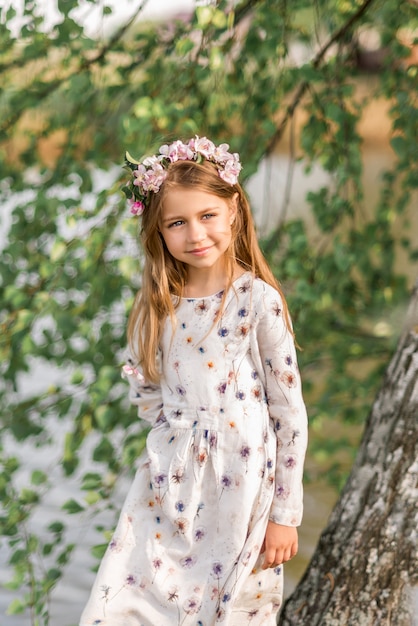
233, 208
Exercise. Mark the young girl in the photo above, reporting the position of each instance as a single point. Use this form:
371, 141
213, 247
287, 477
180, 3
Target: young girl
212, 512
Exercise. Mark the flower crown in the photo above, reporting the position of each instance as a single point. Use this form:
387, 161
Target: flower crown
149, 175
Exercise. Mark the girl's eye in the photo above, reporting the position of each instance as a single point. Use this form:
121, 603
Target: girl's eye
178, 223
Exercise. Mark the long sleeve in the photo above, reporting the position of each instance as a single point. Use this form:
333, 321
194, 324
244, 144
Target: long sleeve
146, 396
276, 355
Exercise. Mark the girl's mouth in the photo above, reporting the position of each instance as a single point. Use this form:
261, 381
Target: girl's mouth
199, 251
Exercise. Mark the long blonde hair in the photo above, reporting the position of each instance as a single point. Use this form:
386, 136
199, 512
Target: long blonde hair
164, 277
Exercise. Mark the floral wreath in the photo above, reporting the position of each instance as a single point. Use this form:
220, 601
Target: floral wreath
149, 175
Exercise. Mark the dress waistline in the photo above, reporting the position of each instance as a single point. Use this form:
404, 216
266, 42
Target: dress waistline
201, 417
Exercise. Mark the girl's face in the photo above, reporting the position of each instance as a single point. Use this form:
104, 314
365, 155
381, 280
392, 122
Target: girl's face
196, 227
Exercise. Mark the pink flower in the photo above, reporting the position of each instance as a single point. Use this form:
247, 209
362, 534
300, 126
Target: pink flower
204, 146
230, 172
137, 207
221, 154
154, 178
128, 370
177, 151
185, 153
139, 174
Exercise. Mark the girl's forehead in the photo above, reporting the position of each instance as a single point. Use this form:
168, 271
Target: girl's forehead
191, 198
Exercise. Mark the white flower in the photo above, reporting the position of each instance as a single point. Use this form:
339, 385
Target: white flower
221, 154
204, 146
150, 161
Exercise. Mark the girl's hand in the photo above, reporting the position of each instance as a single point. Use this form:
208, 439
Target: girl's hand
280, 544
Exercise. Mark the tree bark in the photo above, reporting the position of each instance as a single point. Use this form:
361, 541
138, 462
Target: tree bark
366, 562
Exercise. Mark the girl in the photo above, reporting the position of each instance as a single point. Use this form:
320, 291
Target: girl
212, 512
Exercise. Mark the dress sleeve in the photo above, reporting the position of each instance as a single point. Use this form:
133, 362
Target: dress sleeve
146, 396
287, 410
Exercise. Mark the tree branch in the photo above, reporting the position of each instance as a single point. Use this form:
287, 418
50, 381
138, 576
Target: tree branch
242, 11
85, 63
300, 92
116, 37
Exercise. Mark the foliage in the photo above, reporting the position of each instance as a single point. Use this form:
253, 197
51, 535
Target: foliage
70, 105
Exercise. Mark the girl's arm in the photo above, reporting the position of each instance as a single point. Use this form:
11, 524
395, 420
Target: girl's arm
146, 396
287, 410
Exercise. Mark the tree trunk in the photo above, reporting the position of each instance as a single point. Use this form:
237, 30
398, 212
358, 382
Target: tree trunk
366, 561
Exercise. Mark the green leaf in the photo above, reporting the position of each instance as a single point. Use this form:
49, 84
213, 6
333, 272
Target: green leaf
92, 497
18, 556
28, 496
131, 159
77, 377
92, 480
204, 16
56, 527
16, 607
184, 46
399, 145
103, 451
99, 550
38, 477
72, 507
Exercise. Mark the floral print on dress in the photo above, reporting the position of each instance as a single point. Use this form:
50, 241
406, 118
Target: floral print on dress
224, 455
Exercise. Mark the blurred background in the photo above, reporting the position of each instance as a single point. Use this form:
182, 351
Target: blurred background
319, 99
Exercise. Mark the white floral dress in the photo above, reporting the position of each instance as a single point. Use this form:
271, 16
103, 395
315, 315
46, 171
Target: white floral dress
224, 455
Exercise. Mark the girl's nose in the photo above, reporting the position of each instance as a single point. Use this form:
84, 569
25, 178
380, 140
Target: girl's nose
196, 232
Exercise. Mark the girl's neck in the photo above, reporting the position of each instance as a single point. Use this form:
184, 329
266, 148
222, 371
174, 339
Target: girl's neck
203, 283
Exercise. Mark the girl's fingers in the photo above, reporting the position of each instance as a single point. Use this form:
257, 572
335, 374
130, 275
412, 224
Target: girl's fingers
274, 558
269, 558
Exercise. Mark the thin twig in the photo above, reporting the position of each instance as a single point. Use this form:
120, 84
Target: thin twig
83, 65
116, 37
300, 92
242, 11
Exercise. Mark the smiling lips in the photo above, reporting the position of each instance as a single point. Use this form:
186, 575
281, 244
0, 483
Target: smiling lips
199, 251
